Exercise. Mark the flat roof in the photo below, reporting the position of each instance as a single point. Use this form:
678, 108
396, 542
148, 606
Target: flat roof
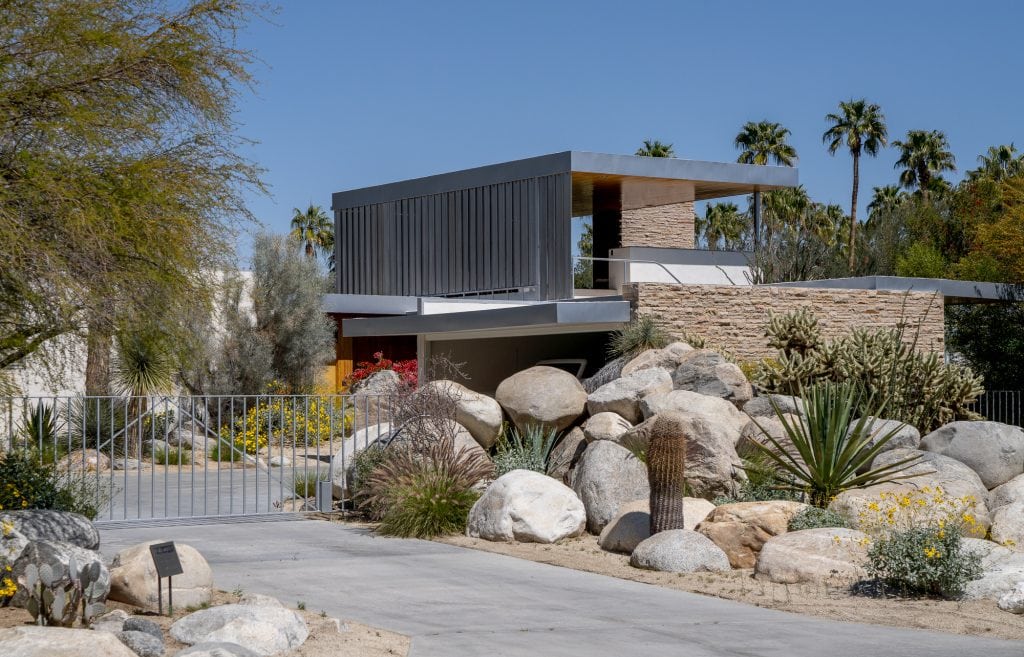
951, 290
536, 318
639, 181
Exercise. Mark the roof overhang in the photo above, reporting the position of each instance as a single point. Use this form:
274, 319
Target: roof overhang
953, 292
637, 181
367, 304
582, 316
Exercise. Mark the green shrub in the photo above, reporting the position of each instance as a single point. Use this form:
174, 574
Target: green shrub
27, 482
172, 456
304, 484
828, 452
527, 450
639, 335
814, 518
225, 453
924, 561
363, 465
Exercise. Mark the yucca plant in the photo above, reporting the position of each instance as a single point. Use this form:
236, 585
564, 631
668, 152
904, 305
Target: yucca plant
827, 448
529, 449
639, 335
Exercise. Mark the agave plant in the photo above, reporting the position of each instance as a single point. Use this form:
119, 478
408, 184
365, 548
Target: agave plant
529, 449
826, 451
639, 335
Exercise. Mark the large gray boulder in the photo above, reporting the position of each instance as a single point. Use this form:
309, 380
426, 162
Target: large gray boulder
56, 526
668, 358
12, 543
133, 579
566, 454
480, 414
606, 477
679, 551
714, 409
633, 523
761, 406
712, 466
1008, 493
829, 555
143, 644
264, 626
541, 395
609, 372
605, 426
905, 436
622, 396
58, 556
217, 649
528, 507
930, 471
1002, 568
1008, 525
759, 429
344, 458
994, 450
1013, 601
742, 529
373, 398
708, 373
36, 641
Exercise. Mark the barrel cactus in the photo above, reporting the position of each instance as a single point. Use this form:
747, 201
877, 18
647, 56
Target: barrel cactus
666, 465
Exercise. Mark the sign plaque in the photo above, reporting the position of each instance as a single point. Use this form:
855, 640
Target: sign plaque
165, 558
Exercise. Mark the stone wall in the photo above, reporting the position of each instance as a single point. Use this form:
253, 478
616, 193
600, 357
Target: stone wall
735, 316
669, 226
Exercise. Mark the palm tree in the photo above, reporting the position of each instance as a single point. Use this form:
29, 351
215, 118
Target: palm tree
783, 210
998, 163
721, 226
314, 229
654, 148
885, 199
924, 155
763, 141
861, 127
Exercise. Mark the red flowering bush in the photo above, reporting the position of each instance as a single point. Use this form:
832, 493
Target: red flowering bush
406, 369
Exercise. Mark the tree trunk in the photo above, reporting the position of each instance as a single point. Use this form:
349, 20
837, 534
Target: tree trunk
853, 210
97, 359
309, 249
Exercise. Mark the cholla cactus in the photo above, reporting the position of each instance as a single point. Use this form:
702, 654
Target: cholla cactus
666, 465
794, 332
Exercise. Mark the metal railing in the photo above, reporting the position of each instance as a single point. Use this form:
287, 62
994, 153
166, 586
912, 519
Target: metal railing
170, 457
1001, 406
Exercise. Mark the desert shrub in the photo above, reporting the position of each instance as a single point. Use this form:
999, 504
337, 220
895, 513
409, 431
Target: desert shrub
8, 585
363, 465
172, 456
97, 421
636, 444
524, 450
814, 518
921, 389
304, 484
225, 452
426, 490
26, 482
827, 451
639, 335
407, 370
285, 420
765, 480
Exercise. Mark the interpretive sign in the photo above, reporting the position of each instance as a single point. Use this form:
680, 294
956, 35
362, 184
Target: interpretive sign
165, 558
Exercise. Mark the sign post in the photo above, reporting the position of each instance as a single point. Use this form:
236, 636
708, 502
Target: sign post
165, 558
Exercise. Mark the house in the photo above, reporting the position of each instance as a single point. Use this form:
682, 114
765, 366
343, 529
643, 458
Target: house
478, 265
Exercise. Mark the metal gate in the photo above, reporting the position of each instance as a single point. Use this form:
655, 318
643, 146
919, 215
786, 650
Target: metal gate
1000, 406
152, 459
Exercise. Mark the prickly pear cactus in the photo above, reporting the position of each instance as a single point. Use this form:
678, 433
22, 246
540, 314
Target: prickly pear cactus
666, 465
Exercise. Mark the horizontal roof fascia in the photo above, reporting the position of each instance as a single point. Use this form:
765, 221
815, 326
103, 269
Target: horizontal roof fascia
953, 291
730, 178
370, 304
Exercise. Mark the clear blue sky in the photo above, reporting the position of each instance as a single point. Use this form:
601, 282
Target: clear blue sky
358, 93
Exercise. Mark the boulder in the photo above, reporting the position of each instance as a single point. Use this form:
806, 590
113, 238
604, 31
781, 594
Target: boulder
12, 543
1013, 601
344, 459
36, 641
742, 529
606, 477
372, 398
1002, 568
761, 406
759, 428
827, 555
1008, 493
480, 414
994, 450
528, 507
708, 373
605, 426
679, 551
542, 395
83, 460
1008, 525
668, 359
609, 372
133, 578
566, 454
262, 628
56, 526
906, 436
714, 409
140, 624
712, 466
142, 644
58, 556
633, 523
931, 471
279, 461
112, 621
217, 649
622, 396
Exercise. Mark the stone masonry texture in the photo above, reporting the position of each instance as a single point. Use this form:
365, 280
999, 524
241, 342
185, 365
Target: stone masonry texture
669, 226
735, 317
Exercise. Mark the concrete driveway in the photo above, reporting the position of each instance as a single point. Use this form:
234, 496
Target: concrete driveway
456, 602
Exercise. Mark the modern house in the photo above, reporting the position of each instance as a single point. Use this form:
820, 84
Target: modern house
478, 265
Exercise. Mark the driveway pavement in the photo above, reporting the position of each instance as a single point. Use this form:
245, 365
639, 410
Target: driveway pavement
456, 602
